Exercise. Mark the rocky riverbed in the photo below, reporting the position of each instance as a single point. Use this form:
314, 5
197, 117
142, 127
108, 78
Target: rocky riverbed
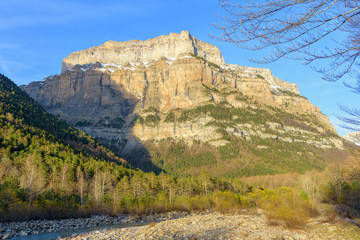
178, 225
18, 229
226, 226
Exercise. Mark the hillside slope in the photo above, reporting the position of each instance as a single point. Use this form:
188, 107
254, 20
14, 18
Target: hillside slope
43, 160
182, 108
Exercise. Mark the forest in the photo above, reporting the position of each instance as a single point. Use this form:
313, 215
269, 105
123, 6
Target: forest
51, 170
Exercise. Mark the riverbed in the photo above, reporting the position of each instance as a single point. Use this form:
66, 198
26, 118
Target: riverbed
52, 229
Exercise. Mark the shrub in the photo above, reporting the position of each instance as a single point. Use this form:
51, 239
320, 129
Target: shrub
240, 98
139, 120
199, 204
152, 120
117, 123
182, 203
213, 65
245, 202
259, 76
151, 109
341, 192
170, 117
84, 123
285, 205
226, 201
285, 92
343, 186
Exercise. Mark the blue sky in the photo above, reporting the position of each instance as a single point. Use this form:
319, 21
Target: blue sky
37, 34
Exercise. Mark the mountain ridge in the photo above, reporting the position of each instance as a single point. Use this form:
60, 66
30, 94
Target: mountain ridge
136, 51
184, 98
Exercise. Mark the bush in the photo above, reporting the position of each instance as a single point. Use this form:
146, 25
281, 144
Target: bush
152, 120
259, 76
199, 204
182, 203
226, 202
341, 192
151, 109
84, 123
343, 186
285, 205
139, 120
170, 118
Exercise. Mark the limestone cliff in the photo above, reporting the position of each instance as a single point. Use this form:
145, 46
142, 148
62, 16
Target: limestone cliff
178, 87
136, 51
353, 137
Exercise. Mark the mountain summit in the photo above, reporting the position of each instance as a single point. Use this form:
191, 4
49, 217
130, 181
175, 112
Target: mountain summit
172, 101
136, 51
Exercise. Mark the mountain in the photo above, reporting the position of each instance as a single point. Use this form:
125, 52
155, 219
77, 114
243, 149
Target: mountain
353, 137
172, 103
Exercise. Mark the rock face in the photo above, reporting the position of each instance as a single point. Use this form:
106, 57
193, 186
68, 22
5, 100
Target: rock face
126, 93
136, 51
353, 137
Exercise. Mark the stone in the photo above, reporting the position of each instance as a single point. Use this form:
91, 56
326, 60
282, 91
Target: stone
353, 137
6, 236
136, 51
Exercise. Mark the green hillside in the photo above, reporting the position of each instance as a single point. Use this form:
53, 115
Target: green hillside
43, 160
51, 170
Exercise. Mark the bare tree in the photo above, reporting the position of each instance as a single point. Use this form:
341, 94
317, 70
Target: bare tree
82, 184
205, 181
310, 182
63, 177
97, 187
2, 173
136, 182
171, 184
301, 30
101, 184
351, 120
124, 185
53, 177
31, 179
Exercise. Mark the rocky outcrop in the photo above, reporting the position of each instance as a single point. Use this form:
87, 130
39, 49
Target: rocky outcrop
136, 51
126, 93
353, 137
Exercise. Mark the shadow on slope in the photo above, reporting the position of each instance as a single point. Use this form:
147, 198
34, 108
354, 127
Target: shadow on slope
96, 104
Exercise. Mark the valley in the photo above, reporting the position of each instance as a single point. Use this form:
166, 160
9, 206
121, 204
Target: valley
142, 128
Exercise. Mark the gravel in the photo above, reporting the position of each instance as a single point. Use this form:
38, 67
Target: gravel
18, 229
179, 225
211, 226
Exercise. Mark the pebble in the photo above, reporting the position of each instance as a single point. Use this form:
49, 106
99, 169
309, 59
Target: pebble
19, 229
174, 225
208, 226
